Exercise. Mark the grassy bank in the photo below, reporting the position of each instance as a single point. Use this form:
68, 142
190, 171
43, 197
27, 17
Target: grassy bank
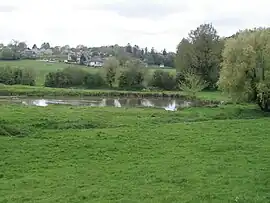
78, 154
19, 90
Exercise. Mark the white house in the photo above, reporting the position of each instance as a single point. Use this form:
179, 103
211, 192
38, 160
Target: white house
95, 62
161, 66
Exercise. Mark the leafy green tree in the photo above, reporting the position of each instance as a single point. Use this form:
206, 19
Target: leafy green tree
164, 52
28, 77
94, 81
169, 60
132, 76
57, 79
111, 65
7, 76
129, 48
245, 72
76, 75
142, 53
12, 76
22, 46
135, 51
45, 45
56, 50
185, 56
82, 59
192, 84
163, 80
207, 50
7, 54
145, 50
201, 52
149, 59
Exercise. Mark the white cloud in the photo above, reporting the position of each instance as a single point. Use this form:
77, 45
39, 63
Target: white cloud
158, 23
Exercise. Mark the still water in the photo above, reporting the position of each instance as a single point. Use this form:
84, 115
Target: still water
164, 103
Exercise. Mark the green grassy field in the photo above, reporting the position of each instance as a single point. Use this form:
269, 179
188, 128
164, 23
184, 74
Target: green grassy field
79, 154
42, 68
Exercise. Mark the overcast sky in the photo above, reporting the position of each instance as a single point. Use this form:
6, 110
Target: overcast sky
158, 23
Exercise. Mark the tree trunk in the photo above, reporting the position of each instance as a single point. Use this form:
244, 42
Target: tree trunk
264, 104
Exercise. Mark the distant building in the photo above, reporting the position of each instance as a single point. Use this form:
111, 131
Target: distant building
96, 62
161, 66
29, 54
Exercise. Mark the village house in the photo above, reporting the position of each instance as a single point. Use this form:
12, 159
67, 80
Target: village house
96, 62
29, 53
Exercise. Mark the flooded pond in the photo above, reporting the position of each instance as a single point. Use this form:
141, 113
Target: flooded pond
170, 104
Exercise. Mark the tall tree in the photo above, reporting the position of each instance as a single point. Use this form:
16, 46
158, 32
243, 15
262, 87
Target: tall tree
152, 51
164, 52
169, 60
146, 50
135, 51
65, 49
184, 56
34, 46
111, 65
207, 52
45, 45
56, 50
129, 48
245, 72
201, 52
22, 46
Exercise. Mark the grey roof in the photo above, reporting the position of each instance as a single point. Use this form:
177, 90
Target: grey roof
96, 59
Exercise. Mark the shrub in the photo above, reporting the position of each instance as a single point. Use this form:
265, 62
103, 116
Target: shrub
6, 75
168, 81
94, 81
180, 78
130, 80
193, 84
132, 77
76, 75
163, 80
69, 77
57, 79
111, 65
156, 80
27, 77
8, 54
13, 76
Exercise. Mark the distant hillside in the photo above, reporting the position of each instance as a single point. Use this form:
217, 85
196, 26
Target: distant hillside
17, 50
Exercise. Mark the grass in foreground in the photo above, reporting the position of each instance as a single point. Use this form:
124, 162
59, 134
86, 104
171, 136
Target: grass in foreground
79, 154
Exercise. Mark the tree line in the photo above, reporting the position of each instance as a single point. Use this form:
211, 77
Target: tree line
238, 65
132, 76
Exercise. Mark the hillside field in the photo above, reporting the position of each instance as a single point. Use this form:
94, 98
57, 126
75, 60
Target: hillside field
42, 68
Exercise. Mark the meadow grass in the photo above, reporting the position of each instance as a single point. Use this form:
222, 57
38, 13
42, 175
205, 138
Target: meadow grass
86, 154
42, 68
